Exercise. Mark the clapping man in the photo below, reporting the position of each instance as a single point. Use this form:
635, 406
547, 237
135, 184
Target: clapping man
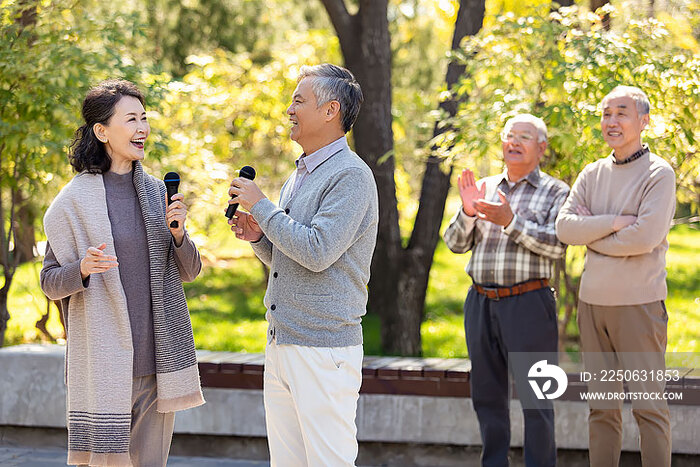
507, 221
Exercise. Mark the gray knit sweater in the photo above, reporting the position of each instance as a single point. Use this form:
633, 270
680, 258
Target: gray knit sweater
319, 247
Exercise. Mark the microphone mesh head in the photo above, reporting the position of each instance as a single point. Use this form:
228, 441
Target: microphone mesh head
171, 177
247, 172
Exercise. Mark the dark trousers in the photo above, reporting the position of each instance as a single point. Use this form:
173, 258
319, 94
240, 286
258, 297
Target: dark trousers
522, 323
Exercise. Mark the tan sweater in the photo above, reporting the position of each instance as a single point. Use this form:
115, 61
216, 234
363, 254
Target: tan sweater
625, 267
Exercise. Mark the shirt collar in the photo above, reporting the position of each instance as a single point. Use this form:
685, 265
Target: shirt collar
319, 156
533, 178
635, 156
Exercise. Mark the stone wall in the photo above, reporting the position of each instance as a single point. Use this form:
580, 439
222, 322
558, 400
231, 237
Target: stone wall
32, 394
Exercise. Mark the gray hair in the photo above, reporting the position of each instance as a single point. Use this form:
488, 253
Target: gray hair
641, 101
537, 122
334, 83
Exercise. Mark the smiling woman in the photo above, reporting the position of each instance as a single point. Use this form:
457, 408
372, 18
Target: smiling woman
116, 261
125, 133
109, 110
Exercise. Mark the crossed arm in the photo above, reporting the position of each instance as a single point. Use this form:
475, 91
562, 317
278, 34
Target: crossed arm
618, 235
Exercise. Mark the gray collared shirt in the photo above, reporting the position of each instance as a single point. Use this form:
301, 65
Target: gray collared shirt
307, 164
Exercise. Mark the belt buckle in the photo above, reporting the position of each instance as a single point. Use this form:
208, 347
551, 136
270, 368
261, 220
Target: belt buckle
491, 289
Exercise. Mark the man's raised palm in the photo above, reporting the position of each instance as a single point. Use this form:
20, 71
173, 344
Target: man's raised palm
469, 192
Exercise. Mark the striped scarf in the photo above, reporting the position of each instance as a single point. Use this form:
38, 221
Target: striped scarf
99, 352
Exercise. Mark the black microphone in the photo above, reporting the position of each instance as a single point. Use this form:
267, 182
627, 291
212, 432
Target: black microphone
245, 172
172, 182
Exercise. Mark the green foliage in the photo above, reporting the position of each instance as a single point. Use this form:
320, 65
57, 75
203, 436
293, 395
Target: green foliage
227, 309
252, 27
46, 67
227, 112
421, 34
559, 67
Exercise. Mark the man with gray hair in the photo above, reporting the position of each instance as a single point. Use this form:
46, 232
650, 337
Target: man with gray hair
507, 221
621, 208
318, 244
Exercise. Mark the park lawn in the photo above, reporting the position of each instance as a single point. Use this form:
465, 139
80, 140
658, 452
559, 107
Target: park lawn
228, 314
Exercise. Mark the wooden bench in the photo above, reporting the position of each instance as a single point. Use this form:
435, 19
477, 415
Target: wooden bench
435, 377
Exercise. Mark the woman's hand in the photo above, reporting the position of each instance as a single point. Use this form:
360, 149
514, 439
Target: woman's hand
95, 261
176, 211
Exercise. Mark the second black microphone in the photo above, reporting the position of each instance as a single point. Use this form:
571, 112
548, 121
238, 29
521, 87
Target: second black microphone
245, 172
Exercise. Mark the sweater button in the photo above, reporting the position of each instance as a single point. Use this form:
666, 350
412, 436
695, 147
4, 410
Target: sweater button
286, 211
275, 275
273, 307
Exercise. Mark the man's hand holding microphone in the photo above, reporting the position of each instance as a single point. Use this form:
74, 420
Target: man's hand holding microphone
244, 192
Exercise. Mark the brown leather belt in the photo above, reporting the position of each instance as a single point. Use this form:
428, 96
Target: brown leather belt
496, 293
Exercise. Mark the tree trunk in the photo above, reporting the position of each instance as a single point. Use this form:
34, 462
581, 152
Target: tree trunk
25, 237
41, 323
5, 261
399, 277
4, 314
366, 46
594, 5
8, 261
418, 256
370, 60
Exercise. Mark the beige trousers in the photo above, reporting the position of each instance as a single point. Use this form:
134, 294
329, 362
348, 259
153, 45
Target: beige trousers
151, 431
311, 398
629, 338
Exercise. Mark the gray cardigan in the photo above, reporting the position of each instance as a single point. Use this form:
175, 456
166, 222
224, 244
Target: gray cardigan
319, 247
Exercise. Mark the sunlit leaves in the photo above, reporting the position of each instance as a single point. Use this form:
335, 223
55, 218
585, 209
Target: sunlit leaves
47, 63
559, 67
230, 111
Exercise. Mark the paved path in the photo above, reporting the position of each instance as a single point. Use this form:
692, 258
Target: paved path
29, 457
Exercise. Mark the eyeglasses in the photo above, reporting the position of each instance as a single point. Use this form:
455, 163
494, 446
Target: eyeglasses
511, 137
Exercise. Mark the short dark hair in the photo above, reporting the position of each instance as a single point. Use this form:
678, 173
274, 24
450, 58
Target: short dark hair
87, 153
334, 83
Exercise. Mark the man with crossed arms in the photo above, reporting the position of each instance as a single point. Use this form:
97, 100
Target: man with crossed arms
507, 221
621, 208
318, 244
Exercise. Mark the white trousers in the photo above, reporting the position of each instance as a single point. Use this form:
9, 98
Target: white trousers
310, 403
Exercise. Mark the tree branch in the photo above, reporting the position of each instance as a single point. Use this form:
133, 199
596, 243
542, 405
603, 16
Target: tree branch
12, 232
342, 22
562, 3
436, 182
4, 247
